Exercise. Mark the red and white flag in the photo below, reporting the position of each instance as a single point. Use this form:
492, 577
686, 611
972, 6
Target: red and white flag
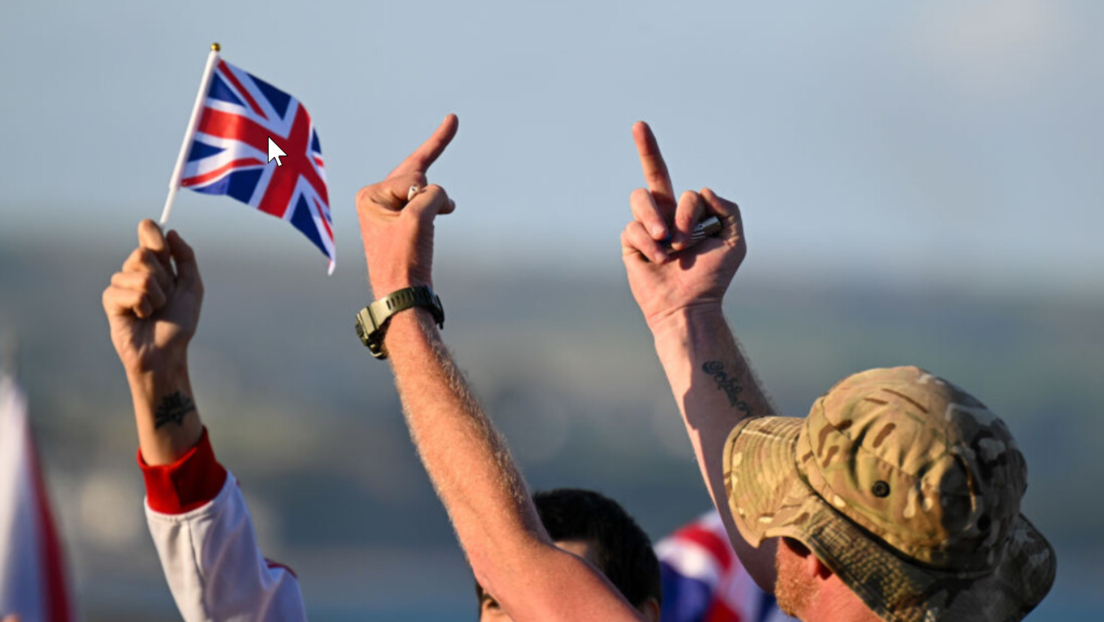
32, 574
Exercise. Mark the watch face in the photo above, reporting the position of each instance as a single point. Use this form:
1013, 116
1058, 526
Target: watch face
364, 326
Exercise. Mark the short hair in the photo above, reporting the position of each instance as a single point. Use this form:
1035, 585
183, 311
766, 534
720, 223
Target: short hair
623, 551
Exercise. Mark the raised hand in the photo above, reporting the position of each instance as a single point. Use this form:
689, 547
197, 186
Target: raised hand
396, 227
664, 281
152, 305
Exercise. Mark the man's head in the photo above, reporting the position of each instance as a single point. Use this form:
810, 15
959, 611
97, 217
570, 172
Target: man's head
599, 530
899, 486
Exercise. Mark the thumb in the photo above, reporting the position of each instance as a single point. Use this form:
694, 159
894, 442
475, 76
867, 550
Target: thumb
150, 236
187, 270
727, 210
430, 202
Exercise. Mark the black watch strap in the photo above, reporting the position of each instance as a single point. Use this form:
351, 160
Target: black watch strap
371, 322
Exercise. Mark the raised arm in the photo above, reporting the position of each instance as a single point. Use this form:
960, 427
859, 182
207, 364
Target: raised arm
196, 513
680, 292
468, 462
153, 309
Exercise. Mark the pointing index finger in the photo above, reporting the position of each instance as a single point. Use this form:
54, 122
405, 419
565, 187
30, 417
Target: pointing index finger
651, 160
430, 150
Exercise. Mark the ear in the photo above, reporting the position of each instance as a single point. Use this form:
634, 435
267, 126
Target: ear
810, 564
650, 609
817, 568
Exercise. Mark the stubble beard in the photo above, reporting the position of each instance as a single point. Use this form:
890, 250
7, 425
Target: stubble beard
791, 589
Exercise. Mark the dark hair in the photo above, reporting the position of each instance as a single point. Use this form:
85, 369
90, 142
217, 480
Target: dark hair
624, 552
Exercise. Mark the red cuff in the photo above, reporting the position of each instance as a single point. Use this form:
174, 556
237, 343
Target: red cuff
190, 482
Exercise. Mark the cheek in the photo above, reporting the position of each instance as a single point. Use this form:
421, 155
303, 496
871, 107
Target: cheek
791, 590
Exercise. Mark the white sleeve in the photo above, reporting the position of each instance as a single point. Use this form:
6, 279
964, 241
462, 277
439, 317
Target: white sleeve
214, 566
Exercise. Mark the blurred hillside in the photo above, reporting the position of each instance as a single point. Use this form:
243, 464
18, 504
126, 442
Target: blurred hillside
311, 425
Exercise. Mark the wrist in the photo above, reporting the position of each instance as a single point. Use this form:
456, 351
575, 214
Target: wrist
165, 412
386, 286
160, 378
677, 321
374, 321
409, 328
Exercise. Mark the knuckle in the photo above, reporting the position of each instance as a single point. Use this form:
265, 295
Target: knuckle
148, 286
364, 196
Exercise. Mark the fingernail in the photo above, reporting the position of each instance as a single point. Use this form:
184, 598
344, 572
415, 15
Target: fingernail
660, 258
659, 231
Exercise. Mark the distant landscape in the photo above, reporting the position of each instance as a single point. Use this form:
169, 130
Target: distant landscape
311, 425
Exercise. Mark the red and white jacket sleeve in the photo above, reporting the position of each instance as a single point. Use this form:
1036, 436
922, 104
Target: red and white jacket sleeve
204, 536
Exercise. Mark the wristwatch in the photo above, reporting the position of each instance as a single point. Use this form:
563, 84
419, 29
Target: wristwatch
371, 322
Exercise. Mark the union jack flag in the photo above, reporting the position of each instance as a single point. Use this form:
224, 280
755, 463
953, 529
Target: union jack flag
703, 580
229, 154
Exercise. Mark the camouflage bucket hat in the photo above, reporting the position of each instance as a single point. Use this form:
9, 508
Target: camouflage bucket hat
907, 488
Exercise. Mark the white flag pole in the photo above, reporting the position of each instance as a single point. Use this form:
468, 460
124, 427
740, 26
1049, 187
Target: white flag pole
189, 135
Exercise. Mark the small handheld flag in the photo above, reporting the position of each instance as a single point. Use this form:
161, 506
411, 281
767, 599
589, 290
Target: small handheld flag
228, 149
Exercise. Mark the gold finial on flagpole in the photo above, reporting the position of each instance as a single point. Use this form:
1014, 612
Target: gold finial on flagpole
215, 47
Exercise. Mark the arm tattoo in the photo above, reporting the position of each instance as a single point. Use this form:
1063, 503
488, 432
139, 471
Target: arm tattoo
728, 384
172, 409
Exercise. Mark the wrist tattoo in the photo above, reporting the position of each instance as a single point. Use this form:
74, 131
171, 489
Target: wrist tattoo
728, 384
172, 409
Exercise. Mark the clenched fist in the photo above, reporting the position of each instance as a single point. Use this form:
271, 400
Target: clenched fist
153, 303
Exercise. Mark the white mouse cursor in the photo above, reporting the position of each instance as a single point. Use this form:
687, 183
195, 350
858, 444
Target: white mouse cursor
275, 152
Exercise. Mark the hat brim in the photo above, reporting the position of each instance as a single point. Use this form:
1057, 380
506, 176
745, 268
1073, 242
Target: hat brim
769, 498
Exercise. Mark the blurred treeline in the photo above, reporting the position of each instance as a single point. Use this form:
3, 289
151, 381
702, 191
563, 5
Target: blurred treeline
311, 425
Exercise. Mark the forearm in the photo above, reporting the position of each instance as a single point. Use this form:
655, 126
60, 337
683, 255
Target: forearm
466, 459
482, 491
165, 412
715, 388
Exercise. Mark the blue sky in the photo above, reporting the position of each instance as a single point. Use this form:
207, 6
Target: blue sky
936, 142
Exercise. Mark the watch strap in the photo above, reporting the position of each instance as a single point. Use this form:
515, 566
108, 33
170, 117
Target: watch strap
371, 325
